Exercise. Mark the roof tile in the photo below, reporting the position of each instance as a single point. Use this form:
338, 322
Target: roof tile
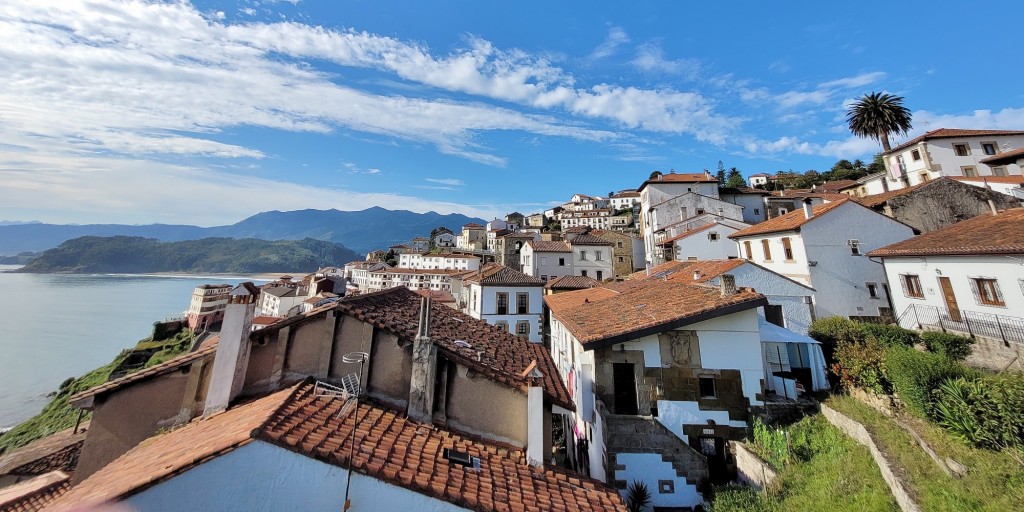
947, 133
984, 234
790, 221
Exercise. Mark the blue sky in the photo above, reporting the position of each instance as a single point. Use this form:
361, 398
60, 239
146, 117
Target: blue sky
207, 112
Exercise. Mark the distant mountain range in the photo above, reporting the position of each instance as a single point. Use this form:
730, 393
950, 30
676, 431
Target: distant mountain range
361, 231
132, 254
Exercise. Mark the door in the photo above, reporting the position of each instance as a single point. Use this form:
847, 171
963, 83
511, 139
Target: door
947, 294
714, 449
625, 388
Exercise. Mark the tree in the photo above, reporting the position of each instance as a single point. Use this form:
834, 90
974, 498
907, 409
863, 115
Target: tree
655, 175
877, 115
735, 179
720, 175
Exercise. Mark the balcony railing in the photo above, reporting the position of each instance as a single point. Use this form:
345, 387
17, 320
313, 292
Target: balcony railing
1008, 329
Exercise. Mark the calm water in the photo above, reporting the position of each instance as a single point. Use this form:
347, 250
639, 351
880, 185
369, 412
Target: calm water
55, 326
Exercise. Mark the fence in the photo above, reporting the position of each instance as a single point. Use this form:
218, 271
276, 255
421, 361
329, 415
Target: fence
1008, 329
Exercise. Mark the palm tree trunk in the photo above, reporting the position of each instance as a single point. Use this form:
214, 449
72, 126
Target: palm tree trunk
884, 137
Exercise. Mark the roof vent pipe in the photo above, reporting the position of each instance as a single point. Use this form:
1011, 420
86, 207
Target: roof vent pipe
808, 210
992, 206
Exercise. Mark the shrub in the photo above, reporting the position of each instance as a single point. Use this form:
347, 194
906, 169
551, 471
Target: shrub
986, 412
953, 346
771, 444
637, 496
859, 363
834, 329
733, 498
914, 374
891, 335
814, 437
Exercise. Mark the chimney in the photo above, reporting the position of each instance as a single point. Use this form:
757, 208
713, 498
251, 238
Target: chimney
424, 366
992, 206
727, 284
696, 275
232, 358
808, 210
534, 416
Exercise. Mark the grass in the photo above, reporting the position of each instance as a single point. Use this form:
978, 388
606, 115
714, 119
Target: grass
58, 414
829, 472
994, 481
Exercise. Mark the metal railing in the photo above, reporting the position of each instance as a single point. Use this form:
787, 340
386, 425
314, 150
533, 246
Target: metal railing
1008, 329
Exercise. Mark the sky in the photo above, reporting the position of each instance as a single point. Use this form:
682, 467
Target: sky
207, 112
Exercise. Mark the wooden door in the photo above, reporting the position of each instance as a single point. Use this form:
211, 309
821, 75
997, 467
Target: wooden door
947, 294
624, 379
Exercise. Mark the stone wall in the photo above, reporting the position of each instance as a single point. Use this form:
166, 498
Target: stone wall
858, 433
750, 469
995, 355
944, 202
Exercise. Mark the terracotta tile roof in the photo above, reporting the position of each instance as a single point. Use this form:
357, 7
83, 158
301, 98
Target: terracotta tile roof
801, 194
265, 320
993, 179
878, 199
947, 133
1005, 157
790, 221
544, 246
984, 234
499, 355
443, 296
835, 186
743, 190
54, 452
683, 270
207, 350
643, 308
431, 271
572, 283
163, 456
697, 177
588, 239
473, 225
388, 447
494, 274
34, 494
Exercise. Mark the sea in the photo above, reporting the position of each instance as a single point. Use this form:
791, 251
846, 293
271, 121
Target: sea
55, 326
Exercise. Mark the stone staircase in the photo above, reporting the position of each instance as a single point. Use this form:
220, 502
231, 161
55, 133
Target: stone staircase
645, 434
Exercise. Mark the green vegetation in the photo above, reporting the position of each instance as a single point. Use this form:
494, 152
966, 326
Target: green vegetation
824, 470
876, 115
126, 254
952, 346
994, 480
987, 412
914, 374
59, 415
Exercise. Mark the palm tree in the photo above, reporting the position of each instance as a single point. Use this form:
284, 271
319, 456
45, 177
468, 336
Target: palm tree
876, 115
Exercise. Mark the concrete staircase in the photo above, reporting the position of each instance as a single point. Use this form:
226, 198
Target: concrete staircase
645, 434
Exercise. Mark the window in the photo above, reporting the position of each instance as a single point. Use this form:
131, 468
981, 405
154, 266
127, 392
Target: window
523, 329
999, 171
543, 277
969, 171
757, 211
600, 275
561, 262
915, 155
989, 148
787, 248
854, 247
713, 236
961, 149
622, 259
583, 255
872, 290
766, 249
597, 255
783, 211
522, 303
911, 286
618, 244
700, 211
773, 314
502, 326
924, 177
502, 306
986, 291
707, 387
746, 247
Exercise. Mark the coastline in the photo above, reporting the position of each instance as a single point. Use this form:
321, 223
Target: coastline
253, 276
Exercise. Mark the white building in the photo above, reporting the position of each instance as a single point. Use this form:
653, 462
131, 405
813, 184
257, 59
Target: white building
757, 180
624, 199
700, 238
444, 240
953, 152
751, 199
592, 257
443, 261
824, 247
789, 302
420, 244
505, 297
680, 362
207, 305
546, 260
411, 278
962, 277
869, 185
1009, 185
358, 272
279, 300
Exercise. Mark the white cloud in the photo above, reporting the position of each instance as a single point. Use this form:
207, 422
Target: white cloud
452, 182
854, 81
849, 148
615, 38
650, 58
1005, 119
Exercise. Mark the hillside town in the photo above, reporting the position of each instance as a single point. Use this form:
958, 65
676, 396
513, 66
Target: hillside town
555, 360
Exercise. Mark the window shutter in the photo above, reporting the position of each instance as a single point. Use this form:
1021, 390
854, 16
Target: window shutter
999, 293
903, 283
976, 291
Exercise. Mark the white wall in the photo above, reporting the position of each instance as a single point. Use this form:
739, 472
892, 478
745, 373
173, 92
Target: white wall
599, 269
753, 206
486, 306
795, 268
263, 477
545, 263
649, 468
794, 298
700, 246
938, 158
1006, 270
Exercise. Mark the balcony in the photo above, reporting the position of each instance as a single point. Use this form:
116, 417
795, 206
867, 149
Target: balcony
1008, 329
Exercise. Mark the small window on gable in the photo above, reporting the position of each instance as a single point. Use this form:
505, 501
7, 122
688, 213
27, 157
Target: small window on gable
872, 290
713, 236
989, 148
961, 149
915, 155
854, 247
707, 387
561, 262
757, 211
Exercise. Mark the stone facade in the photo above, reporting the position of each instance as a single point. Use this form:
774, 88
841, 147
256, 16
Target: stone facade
943, 202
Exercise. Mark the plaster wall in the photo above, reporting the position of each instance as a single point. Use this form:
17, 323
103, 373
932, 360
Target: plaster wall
263, 477
546, 263
478, 405
650, 469
775, 259
753, 206
699, 246
486, 307
795, 298
1008, 271
593, 261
